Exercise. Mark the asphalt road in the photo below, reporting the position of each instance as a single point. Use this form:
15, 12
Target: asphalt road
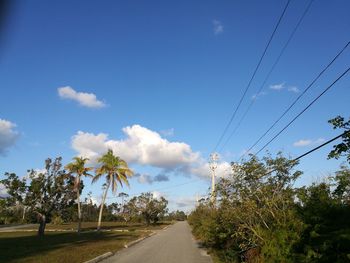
172, 245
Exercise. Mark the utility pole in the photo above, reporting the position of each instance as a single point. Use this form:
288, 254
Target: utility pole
214, 157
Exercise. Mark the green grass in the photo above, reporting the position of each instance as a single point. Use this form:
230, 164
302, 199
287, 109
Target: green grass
87, 226
61, 247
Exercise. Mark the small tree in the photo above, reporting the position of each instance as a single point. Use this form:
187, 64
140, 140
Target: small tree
116, 171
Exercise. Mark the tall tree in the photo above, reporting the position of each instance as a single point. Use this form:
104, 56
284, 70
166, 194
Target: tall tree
116, 171
78, 168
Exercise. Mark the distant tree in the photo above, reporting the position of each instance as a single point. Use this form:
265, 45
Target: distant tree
123, 196
16, 190
342, 186
116, 171
342, 149
177, 215
78, 168
152, 209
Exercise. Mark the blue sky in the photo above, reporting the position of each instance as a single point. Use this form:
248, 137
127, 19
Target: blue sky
172, 72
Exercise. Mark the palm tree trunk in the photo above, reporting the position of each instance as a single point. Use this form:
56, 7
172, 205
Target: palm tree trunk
79, 212
101, 208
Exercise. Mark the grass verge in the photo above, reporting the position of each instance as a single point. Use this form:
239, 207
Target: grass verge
61, 247
88, 226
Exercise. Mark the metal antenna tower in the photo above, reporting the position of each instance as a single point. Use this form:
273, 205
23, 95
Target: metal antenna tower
214, 157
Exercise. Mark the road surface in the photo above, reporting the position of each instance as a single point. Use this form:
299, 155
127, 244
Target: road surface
173, 245
24, 226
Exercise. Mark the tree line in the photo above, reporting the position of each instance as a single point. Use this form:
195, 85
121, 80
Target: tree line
261, 216
54, 195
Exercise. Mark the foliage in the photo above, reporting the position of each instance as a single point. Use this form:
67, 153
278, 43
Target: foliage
78, 168
151, 209
326, 214
342, 149
177, 215
254, 218
13, 206
116, 171
41, 195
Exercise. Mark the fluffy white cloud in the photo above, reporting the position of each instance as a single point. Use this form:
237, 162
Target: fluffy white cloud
146, 147
303, 143
85, 99
141, 146
217, 27
8, 136
202, 169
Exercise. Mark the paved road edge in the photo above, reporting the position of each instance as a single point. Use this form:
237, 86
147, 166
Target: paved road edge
100, 257
109, 254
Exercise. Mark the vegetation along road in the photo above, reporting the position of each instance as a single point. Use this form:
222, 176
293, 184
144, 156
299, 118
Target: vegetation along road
175, 244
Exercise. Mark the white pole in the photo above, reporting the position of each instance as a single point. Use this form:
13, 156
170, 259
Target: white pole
213, 165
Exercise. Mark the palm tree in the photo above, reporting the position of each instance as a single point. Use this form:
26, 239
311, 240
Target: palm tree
78, 167
116, 170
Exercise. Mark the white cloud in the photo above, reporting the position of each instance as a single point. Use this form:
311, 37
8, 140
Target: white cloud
144, 178
293, 89
157, 195
186, 202
306, 142
8, 136
202, 169
3, 191
302, 143
319, 140
146, 147
258, 95
85, 99
283, 86
217, 27
280, 86
141, 146
168, 132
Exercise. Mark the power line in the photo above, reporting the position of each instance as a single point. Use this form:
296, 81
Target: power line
252, 77
268, 74
300, 113
297, 99
314, 149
